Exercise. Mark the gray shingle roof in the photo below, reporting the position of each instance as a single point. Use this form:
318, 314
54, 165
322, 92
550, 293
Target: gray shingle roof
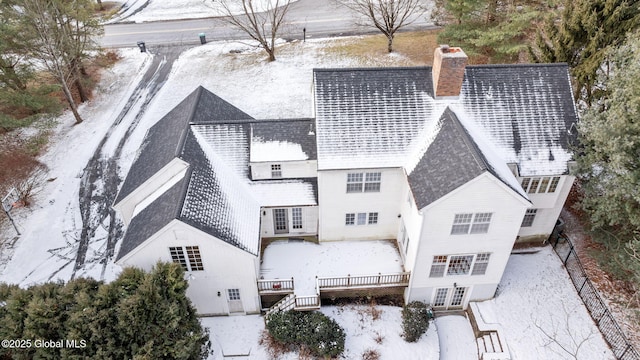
299, 132
451, 161
163, 141
153, 218
216, 201
387, 117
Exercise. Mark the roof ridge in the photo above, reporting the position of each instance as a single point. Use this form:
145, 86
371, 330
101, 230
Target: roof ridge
558, 64
183, 134
370, 68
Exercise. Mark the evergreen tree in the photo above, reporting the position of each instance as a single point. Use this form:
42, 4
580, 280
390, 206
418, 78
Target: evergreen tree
139, 315
610, 136
499, 30
581, 36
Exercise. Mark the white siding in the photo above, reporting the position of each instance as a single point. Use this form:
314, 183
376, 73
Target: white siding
127, 205
411, 219
549, 206
290, 169
335, 203
309, 222
481, 195
225, 267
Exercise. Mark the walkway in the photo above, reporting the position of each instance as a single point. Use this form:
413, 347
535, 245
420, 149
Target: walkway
456, 338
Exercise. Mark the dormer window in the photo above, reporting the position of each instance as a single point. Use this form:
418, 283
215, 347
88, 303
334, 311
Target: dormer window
276, 171
546, 184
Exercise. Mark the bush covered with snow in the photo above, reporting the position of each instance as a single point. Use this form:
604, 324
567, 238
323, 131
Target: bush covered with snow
312, 330
415, 320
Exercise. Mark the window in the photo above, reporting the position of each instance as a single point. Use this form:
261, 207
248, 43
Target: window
441, 297
234, 294
276, 171
529, 216
480, 266
373, 218
179, 255
471, 223
481, 223
280, 221
364, 182
461, 224
296, 218
547, 184
350, 219
459, 264
354, 182
438, 266
452, 265
372, 182
361, 218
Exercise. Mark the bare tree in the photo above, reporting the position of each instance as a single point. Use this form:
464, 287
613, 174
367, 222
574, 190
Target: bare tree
64, 31
261, 24
568, 340
388, 16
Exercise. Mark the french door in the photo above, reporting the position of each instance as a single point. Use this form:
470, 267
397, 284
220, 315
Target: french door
449, 298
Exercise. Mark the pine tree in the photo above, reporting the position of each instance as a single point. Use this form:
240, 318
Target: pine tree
610, 136
581, 37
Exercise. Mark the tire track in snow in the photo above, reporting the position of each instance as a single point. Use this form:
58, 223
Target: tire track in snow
100, 179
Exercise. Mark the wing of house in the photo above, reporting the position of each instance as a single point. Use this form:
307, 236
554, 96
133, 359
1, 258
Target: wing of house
453, 163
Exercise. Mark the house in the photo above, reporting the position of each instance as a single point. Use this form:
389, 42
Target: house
438, 170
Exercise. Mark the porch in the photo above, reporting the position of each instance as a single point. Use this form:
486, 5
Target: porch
295, 274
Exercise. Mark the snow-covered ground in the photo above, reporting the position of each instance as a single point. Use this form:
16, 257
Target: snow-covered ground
158, 10
305, 260
535, 296
368, 329
541, 312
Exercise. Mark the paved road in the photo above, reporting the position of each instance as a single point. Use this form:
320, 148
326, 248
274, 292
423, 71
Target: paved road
321, 18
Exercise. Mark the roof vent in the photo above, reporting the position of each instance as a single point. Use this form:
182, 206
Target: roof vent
448, 71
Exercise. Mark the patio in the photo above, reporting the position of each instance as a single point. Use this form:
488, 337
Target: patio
305, 268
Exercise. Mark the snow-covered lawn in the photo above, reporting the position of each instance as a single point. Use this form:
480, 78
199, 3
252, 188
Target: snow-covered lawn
541, 313
368, 328
158, 10
305, 260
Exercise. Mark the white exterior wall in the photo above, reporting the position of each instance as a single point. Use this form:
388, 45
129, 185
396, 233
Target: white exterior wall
335, 203
290, 169
549, 206
411, 219
127, 205
225, 267
483, 194
309, 222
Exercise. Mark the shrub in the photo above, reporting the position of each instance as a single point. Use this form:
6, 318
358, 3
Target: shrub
415, 320
311, 330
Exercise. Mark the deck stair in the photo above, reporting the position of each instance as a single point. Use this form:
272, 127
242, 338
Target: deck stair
491, 345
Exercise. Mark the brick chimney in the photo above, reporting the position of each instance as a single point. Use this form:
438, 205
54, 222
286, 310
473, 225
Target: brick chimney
448, 71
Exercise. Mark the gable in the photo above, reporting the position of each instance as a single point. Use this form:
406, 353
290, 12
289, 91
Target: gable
164, 140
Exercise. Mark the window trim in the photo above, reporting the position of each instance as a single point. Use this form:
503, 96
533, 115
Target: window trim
471, 223
529, 217
188, 257
459, 265
361, 218
364, 182
540, 184
276, 171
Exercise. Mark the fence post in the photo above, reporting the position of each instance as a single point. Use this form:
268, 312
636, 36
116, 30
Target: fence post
379, 278
586, 278
625, 351
348, 279
568, 254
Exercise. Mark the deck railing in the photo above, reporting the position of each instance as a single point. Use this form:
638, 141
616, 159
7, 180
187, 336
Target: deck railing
307, 302
275, 285
349, 281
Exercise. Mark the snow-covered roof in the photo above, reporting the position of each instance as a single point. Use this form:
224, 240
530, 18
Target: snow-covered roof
387, 117
216, 195
289, 140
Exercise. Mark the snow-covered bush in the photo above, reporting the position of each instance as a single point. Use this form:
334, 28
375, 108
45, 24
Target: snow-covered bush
312, 330
415, 320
